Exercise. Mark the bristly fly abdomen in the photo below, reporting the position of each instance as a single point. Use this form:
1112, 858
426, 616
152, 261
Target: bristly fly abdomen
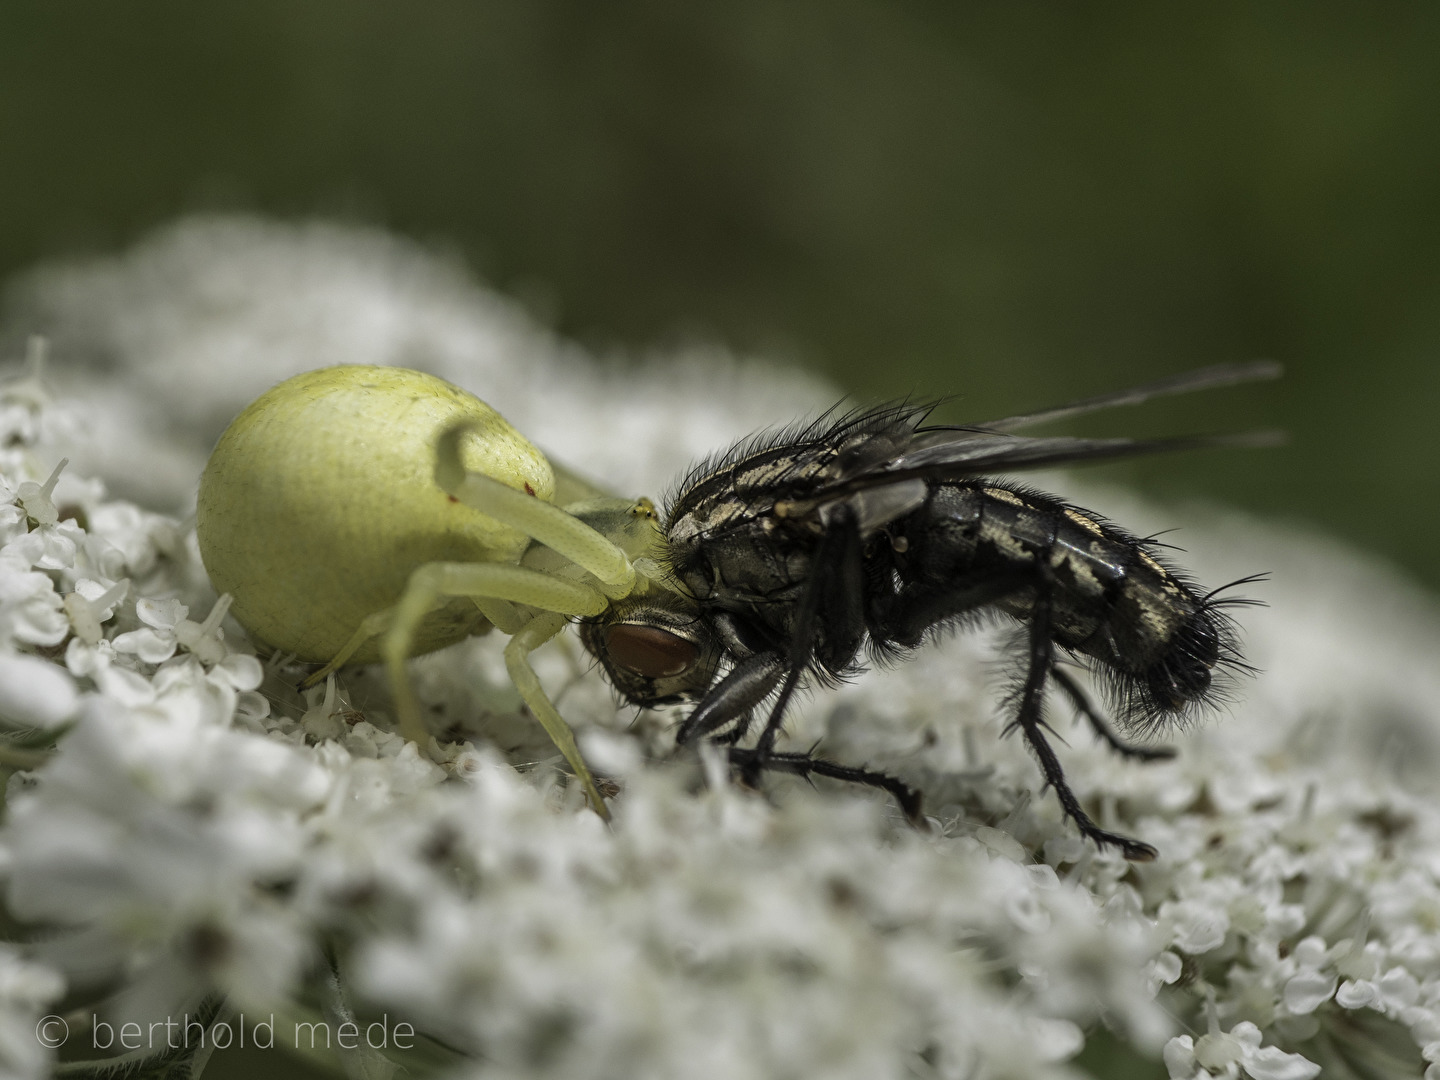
869, 532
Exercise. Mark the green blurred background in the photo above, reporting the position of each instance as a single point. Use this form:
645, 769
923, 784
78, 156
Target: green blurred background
1014, 203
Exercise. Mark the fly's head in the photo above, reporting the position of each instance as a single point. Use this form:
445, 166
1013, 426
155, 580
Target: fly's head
656, 649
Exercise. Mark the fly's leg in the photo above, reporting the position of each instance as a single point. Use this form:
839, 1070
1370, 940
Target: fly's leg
557, 598
749, 683
737, 733
751, 769
837, 585
804, 765
1031, 721
1082, 705
833, 598
835, 590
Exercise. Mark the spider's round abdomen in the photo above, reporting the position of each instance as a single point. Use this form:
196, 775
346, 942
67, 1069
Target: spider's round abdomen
320, 500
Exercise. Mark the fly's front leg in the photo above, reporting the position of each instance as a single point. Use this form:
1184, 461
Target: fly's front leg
829, 627
835, 589
1030, 720
749, 683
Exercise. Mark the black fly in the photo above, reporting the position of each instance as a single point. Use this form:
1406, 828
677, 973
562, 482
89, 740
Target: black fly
804, 548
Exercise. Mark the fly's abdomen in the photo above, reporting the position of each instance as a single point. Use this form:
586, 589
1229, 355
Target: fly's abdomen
974, 545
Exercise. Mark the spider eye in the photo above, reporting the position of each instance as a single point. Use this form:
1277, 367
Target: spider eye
649, 651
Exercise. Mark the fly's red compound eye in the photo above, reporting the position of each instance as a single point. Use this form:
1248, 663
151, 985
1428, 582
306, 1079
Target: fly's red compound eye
649, 651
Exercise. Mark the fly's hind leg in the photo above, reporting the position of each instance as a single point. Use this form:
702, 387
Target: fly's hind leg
1080, 702
1030, 719
557, 598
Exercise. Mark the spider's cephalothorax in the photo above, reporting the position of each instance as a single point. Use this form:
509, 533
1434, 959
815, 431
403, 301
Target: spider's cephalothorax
804, 548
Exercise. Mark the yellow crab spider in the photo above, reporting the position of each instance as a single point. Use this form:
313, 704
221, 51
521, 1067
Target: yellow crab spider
359, 513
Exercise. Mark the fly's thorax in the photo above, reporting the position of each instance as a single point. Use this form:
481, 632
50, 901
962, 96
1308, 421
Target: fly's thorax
754, 560
724, 533
732, 495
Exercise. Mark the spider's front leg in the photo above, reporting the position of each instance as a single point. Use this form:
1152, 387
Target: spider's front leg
545, 523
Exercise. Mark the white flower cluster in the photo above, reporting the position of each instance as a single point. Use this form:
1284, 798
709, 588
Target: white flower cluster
183, 827
183, 841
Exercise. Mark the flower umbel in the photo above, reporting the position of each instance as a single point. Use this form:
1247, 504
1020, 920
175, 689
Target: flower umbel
184, 827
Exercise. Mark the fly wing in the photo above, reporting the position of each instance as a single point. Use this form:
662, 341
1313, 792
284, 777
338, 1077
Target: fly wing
881, 491
1208, 378
981, 454
876, 507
